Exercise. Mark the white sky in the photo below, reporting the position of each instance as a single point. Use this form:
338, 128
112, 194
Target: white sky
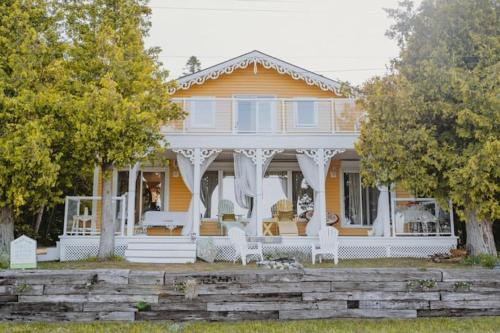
341, 39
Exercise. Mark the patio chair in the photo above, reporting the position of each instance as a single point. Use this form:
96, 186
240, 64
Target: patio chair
328, 244
225, 213
284, 216
239, 242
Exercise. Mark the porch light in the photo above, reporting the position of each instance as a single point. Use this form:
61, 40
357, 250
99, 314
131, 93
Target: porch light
333, 172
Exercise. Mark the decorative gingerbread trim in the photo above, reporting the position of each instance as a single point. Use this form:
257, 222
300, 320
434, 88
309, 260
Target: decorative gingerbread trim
254, 58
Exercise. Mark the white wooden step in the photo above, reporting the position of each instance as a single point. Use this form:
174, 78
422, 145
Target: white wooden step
162, 246
159, 254
162, 260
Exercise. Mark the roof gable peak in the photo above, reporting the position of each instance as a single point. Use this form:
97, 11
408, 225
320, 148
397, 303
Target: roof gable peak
253, 58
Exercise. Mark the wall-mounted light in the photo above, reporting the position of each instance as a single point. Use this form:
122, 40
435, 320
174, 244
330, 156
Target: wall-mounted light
333, 172
175, 171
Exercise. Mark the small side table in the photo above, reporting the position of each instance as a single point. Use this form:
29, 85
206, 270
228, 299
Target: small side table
267, 225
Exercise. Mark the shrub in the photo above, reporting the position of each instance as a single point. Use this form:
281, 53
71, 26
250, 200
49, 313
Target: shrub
485, 260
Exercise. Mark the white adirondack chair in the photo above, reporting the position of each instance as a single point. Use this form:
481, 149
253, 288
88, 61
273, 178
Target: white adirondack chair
328, 244
239, 242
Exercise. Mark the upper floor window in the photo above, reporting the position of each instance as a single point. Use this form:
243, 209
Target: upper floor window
255, 113
306, 113
202, 112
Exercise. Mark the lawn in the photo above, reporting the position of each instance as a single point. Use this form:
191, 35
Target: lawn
228, 266
441, 325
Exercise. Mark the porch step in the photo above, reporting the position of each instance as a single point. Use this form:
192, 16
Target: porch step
162, 250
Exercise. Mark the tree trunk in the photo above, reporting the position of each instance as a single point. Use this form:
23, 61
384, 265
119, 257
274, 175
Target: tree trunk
107, 238
38, 220
479, 235
6, 229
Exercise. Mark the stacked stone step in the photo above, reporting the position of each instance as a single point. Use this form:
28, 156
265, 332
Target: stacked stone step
89, 295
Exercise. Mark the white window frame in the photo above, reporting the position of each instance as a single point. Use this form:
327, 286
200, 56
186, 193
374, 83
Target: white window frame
255, 98
354, 167
192, 120
296, 112
165, 191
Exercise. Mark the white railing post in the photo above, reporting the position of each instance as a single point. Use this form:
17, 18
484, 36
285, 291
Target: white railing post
332, 112
123, 209
258, 189
184, 120
196, 192
233, 115
393, 213
66, 203
283, 116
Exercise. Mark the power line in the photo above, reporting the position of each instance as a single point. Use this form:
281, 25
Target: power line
226, 9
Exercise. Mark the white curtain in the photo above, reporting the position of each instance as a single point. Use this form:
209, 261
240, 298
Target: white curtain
245, 185
354, 208
309, 169
383, 212
186, 169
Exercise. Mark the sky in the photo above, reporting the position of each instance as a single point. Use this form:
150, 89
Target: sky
340, 39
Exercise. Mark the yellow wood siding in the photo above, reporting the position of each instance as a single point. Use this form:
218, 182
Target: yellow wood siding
179, 196
264, 82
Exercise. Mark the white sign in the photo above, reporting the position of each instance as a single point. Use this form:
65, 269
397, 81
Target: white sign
23, 253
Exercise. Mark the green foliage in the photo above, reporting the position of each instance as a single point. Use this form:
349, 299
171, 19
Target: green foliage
193, 65
143, 306
4, 260
485, 260
434, 124
119, 92
420, 285
113, 258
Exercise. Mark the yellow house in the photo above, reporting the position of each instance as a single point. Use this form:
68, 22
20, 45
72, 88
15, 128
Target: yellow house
267, 147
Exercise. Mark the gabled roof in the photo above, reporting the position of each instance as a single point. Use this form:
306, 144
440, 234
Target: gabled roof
253, 58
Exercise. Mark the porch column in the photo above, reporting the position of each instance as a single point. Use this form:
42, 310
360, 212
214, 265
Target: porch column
258, 190
95, 192
132, 177
321, 193
387, 221
196, 192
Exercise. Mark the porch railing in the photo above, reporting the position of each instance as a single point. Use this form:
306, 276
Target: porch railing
421, 217
82, 215
268, 115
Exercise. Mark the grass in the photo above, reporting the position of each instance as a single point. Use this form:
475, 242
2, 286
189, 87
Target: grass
441, 325
228, 266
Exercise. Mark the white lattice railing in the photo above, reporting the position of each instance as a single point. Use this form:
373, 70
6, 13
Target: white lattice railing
78, 247
267, 115
82, 215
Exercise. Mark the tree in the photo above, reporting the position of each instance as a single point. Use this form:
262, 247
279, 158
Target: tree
434, 123
120, 94
193, 65
31, 74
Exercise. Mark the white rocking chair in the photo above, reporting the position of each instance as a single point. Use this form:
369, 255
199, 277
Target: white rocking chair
239, 242
328, 244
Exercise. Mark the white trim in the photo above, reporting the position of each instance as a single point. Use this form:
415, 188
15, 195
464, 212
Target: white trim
253, 58
192, 105
315, 111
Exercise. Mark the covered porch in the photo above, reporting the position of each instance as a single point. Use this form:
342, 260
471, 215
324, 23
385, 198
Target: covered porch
164, 204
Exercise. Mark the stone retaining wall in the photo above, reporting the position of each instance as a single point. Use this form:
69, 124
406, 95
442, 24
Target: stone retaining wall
89, 295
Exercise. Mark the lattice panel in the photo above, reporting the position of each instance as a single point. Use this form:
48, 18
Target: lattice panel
418, 251
362, 252
73, 252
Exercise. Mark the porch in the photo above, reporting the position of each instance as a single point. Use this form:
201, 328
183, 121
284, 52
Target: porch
157, 212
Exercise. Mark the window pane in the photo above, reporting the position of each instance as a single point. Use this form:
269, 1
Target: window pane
265, 116
209, 183
352, 198
306, 113
302, 194
246, 116
274, 187
152, 191
228, 193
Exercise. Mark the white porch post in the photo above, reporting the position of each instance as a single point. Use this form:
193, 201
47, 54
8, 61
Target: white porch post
321, 193
95, 191
258, 189
387, 222
132, 177
196, 192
